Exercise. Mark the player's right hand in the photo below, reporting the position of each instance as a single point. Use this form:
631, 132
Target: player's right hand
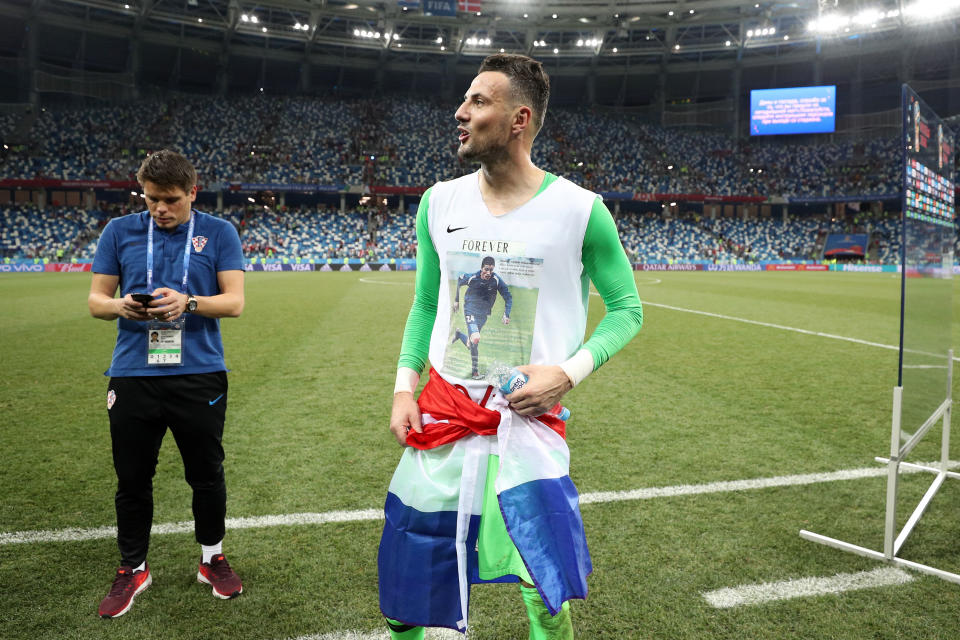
456, 306
404, 416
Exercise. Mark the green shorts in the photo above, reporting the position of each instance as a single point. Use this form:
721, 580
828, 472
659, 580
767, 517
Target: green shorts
496, 554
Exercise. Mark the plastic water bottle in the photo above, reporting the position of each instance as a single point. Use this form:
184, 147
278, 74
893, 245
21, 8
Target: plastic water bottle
510, 379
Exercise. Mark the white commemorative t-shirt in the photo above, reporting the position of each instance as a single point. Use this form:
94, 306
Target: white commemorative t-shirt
536, 250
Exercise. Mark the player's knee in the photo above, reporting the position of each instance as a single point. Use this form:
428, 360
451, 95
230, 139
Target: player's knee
475, 337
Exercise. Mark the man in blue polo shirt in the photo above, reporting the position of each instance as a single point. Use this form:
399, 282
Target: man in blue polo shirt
177, 271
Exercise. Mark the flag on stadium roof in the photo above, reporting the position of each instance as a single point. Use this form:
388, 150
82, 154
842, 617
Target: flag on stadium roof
469, 5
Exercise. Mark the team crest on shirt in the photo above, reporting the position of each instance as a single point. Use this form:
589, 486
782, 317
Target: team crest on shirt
199, 242
111, 398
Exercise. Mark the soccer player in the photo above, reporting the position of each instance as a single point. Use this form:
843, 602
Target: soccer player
482, 492
482, 288
186, 267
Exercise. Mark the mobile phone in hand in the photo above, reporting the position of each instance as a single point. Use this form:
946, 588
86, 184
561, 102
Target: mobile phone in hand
142, 298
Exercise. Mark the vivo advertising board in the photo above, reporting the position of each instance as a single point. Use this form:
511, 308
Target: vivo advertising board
795, 110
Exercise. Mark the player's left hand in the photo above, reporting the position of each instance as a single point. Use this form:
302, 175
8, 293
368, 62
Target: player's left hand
505, 319
545, 387
169, 307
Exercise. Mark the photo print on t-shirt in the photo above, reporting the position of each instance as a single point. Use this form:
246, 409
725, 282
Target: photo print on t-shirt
488, 285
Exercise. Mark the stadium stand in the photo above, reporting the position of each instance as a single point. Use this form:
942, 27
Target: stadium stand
404, 143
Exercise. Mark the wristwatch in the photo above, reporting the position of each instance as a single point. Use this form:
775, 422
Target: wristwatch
191, 304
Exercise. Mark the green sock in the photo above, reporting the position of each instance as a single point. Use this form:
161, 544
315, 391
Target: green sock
400, 631
543, 626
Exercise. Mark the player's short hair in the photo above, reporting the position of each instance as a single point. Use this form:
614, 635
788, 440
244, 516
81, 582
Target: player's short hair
167, 168
486, 261
529, 83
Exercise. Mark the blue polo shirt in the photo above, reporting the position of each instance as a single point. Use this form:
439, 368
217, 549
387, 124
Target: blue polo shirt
122, 251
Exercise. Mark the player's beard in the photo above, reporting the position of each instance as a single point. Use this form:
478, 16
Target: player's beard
488, 149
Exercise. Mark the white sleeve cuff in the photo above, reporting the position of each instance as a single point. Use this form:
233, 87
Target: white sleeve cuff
407, 380
578, 367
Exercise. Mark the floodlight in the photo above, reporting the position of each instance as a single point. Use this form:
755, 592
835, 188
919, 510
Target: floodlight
867, 16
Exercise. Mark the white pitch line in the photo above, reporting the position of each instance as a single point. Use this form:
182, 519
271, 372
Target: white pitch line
750, 594
370, 281
771, 325
731, 485
368, 515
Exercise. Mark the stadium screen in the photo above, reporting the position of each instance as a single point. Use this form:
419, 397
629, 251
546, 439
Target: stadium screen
793, 110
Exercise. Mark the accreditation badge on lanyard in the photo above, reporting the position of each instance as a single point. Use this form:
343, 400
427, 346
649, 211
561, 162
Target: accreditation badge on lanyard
165, 339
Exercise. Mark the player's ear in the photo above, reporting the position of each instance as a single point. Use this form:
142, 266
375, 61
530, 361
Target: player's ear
522, 119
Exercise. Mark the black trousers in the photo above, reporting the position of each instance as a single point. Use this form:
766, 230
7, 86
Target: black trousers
193, 407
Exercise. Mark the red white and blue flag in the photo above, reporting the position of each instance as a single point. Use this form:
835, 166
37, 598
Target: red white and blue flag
471, 6
428, 558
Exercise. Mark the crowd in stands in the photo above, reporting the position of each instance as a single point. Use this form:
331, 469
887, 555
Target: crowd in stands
53, 233
408, 142
320, 234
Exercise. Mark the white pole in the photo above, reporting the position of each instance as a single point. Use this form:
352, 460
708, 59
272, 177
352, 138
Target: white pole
890, 525
945, 443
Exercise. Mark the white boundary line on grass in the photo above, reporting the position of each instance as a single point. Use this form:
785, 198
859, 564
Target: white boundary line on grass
771, 325
367, 515
751, 594
371, 281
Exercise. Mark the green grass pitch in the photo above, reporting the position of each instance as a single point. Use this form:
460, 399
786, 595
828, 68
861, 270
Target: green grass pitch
693, 399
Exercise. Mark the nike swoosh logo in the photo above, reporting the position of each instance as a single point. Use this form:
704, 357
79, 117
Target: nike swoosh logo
214, 401
451, 230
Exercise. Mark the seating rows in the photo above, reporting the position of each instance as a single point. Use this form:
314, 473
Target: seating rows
409, 142
305, 233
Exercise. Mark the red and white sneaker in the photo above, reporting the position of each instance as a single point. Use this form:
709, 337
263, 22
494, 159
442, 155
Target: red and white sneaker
218, 574
126, 585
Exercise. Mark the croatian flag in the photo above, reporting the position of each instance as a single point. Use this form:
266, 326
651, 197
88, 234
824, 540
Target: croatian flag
428, 552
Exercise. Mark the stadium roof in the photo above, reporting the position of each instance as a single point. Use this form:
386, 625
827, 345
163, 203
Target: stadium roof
274, 38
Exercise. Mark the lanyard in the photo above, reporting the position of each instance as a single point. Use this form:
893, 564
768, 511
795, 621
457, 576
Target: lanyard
186, 253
